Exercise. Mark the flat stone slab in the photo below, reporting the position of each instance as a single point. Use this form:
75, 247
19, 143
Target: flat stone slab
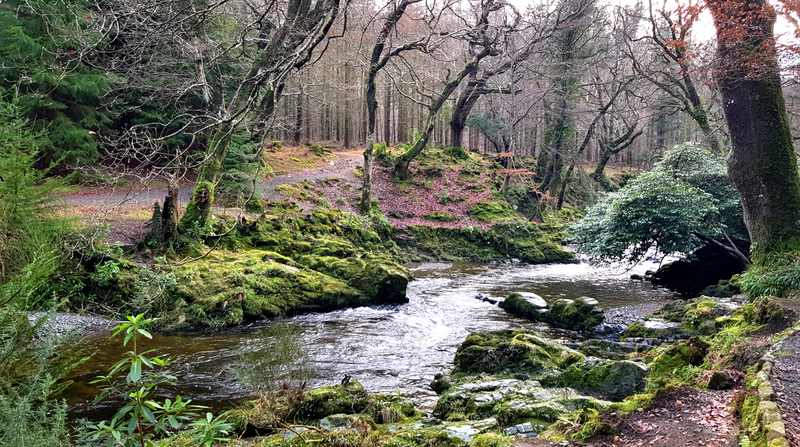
535, 300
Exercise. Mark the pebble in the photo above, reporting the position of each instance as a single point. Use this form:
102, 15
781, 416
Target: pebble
65, 323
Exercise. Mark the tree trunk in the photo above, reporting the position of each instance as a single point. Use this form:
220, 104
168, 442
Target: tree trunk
762, 164
298, 120
599, 174
366, 187
307, 25
387, 115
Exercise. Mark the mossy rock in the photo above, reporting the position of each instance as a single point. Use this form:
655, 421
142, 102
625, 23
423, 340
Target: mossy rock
654, 329
511, 351
440, 216
606, 349
697, 315
489, 211
527, 242
328, 400
227, 288
581, 314
384, 281
678, 361
614, 380
771, 311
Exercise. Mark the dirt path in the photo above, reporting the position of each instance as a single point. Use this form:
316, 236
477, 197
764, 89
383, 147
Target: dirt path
683, 417
786, 383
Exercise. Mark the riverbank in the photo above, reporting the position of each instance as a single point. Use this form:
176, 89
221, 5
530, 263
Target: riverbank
70, 324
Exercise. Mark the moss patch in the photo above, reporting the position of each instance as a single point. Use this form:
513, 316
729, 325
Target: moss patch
511, 351
440, 216
229, 288
490, 211
527, 242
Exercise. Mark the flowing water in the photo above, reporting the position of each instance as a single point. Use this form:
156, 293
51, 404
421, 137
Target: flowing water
388, 348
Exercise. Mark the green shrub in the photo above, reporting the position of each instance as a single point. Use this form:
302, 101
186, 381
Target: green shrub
440, 216
773, 275
28, 225
688, 192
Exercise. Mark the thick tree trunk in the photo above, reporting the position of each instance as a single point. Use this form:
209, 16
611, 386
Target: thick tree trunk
599, 174
403, 162
762, 163
346, 137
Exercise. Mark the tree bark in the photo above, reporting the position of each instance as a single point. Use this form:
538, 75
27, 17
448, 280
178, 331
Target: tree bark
762, 163
404, 161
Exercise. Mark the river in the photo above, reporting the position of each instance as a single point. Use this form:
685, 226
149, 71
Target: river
388, 349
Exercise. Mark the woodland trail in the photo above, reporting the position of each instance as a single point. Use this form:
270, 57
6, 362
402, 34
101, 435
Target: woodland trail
785, 380
126, 209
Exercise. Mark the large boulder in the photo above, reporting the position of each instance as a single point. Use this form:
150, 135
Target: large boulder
613, 380
581, 314
510, 401
380, 279
707, 266
512, 351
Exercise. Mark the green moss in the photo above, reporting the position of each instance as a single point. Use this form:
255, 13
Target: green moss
440, 216
575, 314
605, 349
678, 363
752, 426
580, 314
457, 152
491, 440
579, 426
199, 207
768, 311
638, 330
440, 384
380, 279
527, 242
228, 288
489, 211
511, 351
614, 380
325, 401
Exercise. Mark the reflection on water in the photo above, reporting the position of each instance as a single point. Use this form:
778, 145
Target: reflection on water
387, 348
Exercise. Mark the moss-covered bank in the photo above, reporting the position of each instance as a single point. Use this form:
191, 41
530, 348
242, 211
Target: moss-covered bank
524, 241
283, 263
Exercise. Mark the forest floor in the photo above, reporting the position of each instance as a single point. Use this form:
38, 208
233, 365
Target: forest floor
683, 416
127, 208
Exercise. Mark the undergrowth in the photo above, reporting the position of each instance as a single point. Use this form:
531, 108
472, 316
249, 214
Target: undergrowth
775, 274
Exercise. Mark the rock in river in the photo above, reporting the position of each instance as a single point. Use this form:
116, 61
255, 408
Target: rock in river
581, 314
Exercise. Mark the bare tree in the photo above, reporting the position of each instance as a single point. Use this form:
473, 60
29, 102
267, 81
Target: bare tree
378, 59
673, 69
485, 38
